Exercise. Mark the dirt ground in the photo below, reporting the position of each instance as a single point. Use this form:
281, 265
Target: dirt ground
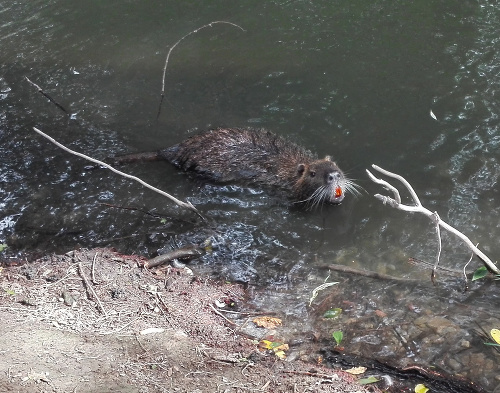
96, 321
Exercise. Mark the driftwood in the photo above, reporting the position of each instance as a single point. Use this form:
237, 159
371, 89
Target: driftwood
433, 216
189, 252
186, 205
370, 274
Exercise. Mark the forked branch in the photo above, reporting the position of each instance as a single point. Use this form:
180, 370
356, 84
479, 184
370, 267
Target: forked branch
418, 208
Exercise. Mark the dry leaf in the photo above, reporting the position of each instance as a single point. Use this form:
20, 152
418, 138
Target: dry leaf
356, 370
267, 322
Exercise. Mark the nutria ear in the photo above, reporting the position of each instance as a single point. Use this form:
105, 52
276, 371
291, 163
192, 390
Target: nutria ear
301, 169
328, 158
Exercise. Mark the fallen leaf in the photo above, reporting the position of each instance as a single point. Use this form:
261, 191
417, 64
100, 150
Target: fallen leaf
479, 273
266, 344
333, 313
366, 381
338, 336
277, 347
356, 370
495, 335
421, 388
267, 322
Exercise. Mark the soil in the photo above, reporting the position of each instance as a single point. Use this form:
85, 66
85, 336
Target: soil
97, 321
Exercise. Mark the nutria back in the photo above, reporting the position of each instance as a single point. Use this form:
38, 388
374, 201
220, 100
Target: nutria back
262, 158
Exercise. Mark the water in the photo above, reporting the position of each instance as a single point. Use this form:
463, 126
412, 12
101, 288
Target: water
355, 80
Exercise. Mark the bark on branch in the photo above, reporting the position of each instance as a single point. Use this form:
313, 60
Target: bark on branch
418, 208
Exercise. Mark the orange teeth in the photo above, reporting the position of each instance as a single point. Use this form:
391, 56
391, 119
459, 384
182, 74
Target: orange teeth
338, 192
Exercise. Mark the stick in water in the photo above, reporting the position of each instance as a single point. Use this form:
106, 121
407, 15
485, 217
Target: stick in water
177, 43
186, 205
40, 90
418, 208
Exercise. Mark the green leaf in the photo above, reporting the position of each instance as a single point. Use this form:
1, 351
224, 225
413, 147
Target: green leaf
480, 273
163, 221
3, 247
338, 336
333, 313
421, 388
366, 381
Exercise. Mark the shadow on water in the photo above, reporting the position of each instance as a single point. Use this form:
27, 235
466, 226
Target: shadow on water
355, 80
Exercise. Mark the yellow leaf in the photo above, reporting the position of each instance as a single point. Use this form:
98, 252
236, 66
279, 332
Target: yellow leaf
282, 347
267, 322
495, 335
265, 344
356, 370
421, 388
278, 348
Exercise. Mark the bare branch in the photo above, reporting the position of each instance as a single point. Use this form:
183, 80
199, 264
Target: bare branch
40, 90
186, 205
418, 208
177, 43
436, 220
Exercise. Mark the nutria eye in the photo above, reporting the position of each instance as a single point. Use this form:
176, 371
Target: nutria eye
312, 173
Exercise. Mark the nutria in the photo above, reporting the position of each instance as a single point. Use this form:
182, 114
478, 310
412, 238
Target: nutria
256, 157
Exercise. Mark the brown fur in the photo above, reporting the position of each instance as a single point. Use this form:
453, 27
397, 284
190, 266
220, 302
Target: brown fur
261, 158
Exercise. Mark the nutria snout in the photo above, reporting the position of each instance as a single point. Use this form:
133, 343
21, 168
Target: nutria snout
259, 157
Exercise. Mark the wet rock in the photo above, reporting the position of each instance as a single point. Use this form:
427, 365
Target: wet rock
440, 325
454, 364
464, 343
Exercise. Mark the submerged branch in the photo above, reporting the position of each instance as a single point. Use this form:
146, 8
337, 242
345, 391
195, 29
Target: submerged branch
40, 90
186, 205
418, 208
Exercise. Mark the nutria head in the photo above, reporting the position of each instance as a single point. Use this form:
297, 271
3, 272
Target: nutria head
320, 181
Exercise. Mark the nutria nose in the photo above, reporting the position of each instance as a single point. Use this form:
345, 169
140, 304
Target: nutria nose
333, 176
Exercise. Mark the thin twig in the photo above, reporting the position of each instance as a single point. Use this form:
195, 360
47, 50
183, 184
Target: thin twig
92, 270
418, 208
222, 316
154, 215
370, 274
465, 273
177, 43
186, 205
40, 90
89, 287
440, 247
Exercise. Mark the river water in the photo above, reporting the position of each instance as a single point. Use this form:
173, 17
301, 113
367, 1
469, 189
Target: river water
409, 86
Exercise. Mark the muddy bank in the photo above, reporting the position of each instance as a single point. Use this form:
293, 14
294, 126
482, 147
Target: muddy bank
95, 321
